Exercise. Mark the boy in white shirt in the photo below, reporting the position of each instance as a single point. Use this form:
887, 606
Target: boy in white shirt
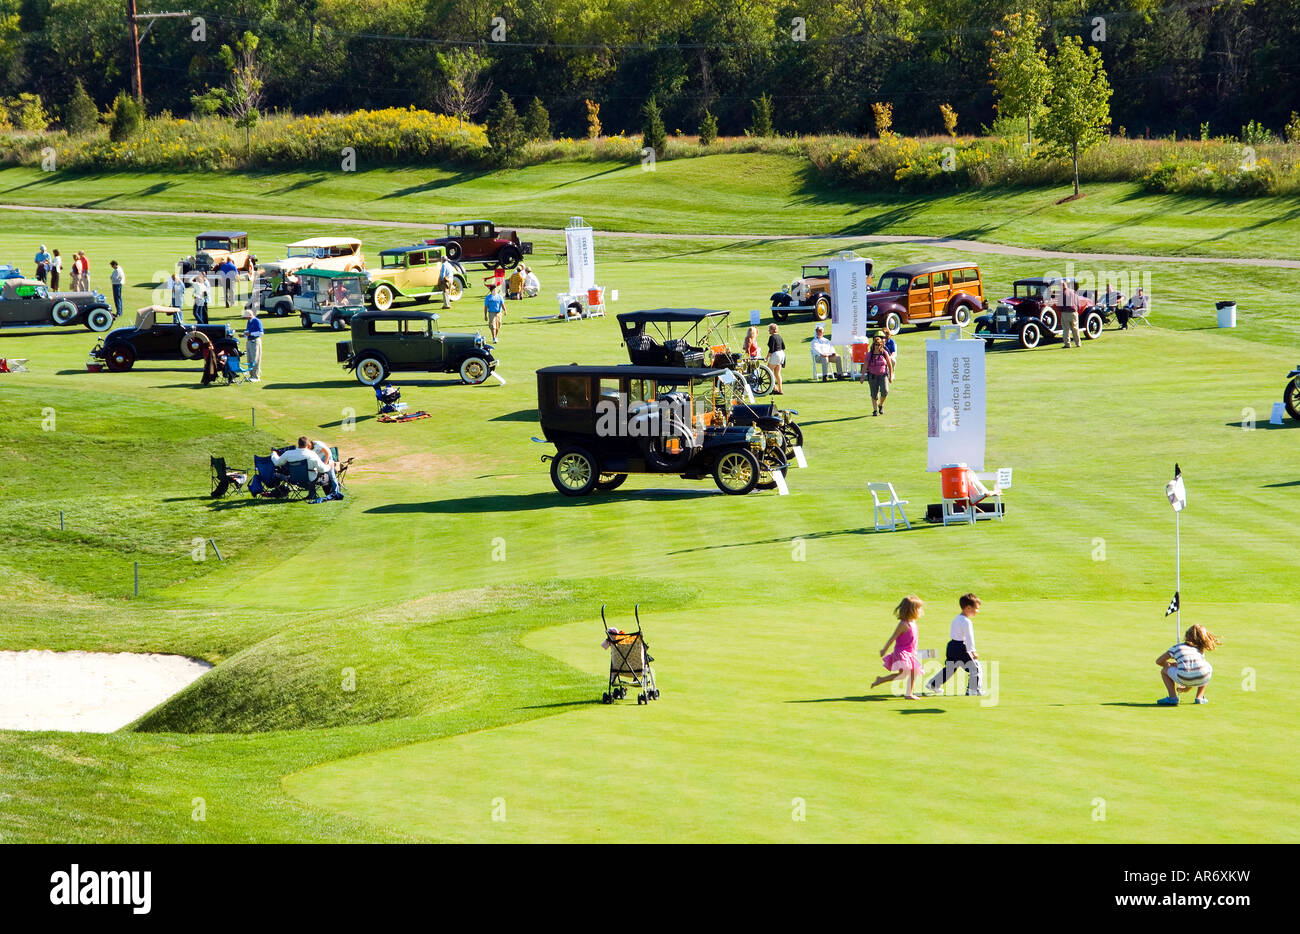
961, 650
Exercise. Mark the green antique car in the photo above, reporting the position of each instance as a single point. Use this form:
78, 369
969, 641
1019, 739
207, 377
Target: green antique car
410, 272
384, 342
327, 296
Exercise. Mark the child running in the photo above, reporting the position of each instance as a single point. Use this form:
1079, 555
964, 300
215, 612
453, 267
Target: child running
904, 639
1184, 666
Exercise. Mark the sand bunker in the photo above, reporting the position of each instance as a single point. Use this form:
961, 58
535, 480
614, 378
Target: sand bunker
87, 692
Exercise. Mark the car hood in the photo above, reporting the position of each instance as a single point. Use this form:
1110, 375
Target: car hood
880, 295
289, 264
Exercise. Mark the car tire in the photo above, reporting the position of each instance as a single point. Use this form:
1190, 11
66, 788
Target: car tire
762, 380
456, 291
305, 321
1031, 335
371, 369
191, 346
120, 358
610, 481
63, 312
381, 297
509, 256
1093, 325
337, 322
1291, 397
99, 320
282, 309
1050, 319
474, 370
822, 310
574, 472
452, 250
893, 322
774, 461
793, 435
961, 315
736, 471
780, 314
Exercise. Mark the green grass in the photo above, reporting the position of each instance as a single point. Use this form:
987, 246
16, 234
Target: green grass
474, 677
744, 193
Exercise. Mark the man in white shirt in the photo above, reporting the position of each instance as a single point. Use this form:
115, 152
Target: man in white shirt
303, 452
446, 271
824, 352
531, 284
199, 284
961, 650
176, 287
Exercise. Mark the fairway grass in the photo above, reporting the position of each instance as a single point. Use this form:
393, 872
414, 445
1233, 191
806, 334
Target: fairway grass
381, 677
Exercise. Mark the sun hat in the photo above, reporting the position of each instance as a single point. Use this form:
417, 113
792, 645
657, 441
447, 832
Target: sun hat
248, 312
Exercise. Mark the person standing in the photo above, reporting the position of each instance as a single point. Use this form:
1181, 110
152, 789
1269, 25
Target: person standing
961, 650
776, 357
117, 278
76, 272
42, 264
446, 274
199, 284
228, 273
176, 285
494, 307
1069, 317
880, 370
253, 332
56, 268
85, 271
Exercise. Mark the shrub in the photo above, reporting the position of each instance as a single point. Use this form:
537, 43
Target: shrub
883, 116
762, 126
537, 122
653, 133
949, 119
593, 119
128, 117
1255, 133
79, 114
26, 112
1292, 128
708, 129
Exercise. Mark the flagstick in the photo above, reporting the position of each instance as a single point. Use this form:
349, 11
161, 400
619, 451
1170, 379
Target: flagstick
1178, 575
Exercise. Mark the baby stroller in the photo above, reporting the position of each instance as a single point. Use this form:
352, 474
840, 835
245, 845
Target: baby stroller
629, 663
388, 397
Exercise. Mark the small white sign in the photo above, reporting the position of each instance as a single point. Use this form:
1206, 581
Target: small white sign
728, 377
798, 456
755, 318
779, 479
613, 295
499, 377
1276, 417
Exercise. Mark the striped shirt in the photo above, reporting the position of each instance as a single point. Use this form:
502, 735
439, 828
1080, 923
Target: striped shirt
1192, 666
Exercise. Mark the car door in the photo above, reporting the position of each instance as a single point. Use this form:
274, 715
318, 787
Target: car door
940, 290
420, 276
432, 344
918, 298
10, 307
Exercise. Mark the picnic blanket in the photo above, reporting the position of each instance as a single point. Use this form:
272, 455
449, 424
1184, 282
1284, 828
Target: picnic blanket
403, 416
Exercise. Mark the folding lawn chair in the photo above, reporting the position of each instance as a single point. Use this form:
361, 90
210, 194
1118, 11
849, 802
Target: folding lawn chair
889, 505
232, 371
225, 480
301, 485
266, 482
629, 663
341, 467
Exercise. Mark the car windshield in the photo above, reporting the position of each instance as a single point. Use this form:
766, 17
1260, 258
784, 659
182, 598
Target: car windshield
816, 272
892, 282
314, 252
393, 260
1029, 290
212, 243
338, 291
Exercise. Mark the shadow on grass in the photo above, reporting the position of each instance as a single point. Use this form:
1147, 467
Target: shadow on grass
342, 421
1270, 486
844, 700
523, 415
923, 710
1126, 704
523, 502
572, 703
812, 536
1266, 426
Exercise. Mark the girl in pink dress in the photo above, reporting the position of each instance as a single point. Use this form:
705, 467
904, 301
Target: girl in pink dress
904, 638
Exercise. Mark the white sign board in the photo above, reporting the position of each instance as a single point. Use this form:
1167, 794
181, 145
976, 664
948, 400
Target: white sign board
955, 408
582, 259
848, 300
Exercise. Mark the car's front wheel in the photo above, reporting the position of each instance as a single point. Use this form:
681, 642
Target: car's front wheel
1292, 398
893, 322
1049, 319
454, 290
119, 359
822, 310
474, 370
452, 249
774, 461
63, 312
371, 370
736, 472
574, 472
509, 256
761, 380
961, 316
99, 319
1092, 327
382, 297
1031, 335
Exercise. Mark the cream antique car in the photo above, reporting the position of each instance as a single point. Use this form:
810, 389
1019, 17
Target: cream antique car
339, 253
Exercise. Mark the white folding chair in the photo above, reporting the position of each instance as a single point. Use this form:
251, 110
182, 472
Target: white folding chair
1143, 315
990, 481
893, 504
958, 511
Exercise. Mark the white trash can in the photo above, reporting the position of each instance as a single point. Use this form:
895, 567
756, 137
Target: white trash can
1227, 314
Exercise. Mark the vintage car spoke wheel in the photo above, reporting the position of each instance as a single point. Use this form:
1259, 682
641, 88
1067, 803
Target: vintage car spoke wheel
1049, 319
452, 249
761, 380
961, 316
1292, 398
382, 297
893, 322
191, 346
1092, 327
574, 472
99, 319
454, 290
793, 435
63, 312
119, 359
774, 461
736, 472
822, 310
610, 481
371, 370
1031, 335
473, 370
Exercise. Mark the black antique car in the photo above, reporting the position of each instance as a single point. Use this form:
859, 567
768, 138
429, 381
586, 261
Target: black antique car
1031, 314
155, 336
610, 421
28, 303
384, 342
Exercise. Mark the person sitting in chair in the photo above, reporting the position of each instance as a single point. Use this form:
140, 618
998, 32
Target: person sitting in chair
1136, 307
303, 452
326, 457
824, 353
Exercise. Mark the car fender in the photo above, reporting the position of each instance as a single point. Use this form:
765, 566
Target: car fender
877, 310
358, 354
964, 298
781, 298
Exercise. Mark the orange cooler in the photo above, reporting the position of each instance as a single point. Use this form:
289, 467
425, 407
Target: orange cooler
952, 478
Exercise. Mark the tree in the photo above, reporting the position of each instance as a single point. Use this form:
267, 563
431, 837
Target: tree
537, 122
1021, 79
505, 131
241, 98
1078, 107
762, 125
708, 129
79, 114
26, 112
653, 134
883, 115
465, 90
593, 119
949, 119
128, 117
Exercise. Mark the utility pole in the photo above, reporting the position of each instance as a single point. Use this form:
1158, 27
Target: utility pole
134, 19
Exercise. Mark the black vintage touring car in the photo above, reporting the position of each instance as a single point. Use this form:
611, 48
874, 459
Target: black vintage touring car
156, 336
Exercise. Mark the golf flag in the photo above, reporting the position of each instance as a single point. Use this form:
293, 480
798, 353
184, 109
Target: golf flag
1173, 604
1175, 491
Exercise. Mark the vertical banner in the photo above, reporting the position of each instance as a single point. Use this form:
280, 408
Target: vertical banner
848, 288
580, 246
955, 407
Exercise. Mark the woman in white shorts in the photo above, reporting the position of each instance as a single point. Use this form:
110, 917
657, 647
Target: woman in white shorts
775, 356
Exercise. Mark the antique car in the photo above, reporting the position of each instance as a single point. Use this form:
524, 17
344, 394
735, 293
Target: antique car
811, 292
28, 303
155, 336
482, 242
1291, 394
384, 342
703, 339
410, 272
214, 247
339, 253
1043, 297
924, 293
610, 421
327, 296
1029, 323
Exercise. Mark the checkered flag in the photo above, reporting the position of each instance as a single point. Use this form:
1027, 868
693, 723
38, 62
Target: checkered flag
1173, 604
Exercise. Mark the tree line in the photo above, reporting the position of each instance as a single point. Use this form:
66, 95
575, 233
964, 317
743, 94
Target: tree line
716, 66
